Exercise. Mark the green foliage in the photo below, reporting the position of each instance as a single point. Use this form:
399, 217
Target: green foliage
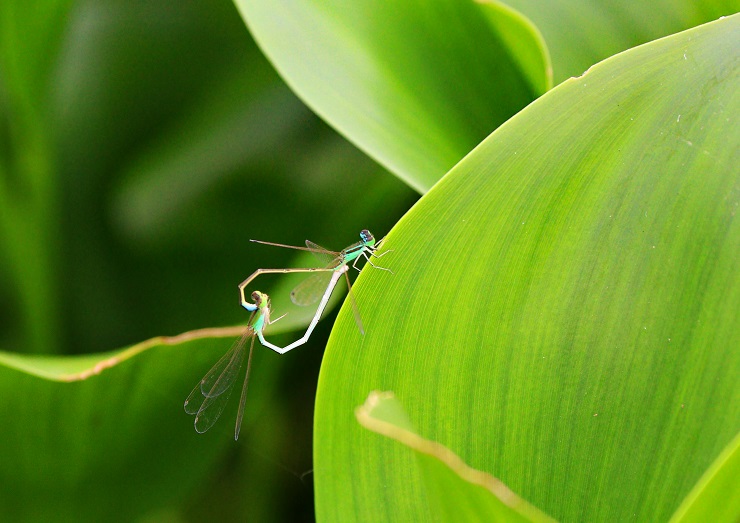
563, 309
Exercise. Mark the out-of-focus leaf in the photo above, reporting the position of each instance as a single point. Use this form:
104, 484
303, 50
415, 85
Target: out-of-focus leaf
458, 492
30, 42
564, 308
524, 42
416, 85
31, 39
716, 496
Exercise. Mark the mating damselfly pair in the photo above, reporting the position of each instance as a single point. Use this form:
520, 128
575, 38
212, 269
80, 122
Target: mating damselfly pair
208, 398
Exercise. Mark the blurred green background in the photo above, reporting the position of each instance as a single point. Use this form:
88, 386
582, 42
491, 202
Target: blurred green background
169, 141
140, 149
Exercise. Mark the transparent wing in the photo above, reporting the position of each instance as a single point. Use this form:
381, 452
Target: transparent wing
210, 411
311, 289
213, 404
243, 400
223, 373
325, 256
311, 247
194, 400
204, 386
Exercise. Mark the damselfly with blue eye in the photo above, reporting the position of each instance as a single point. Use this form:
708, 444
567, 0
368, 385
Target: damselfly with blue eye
316, 286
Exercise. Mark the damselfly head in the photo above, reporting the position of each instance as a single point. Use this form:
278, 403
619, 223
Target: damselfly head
366, 236
261, 299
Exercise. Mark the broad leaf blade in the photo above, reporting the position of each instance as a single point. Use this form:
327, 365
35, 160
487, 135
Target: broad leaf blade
565, 304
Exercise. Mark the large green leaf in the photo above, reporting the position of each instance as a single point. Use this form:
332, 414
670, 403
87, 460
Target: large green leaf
564, 311
416, 85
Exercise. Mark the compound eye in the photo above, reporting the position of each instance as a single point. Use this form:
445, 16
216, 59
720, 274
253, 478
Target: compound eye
365, 235
256, 297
